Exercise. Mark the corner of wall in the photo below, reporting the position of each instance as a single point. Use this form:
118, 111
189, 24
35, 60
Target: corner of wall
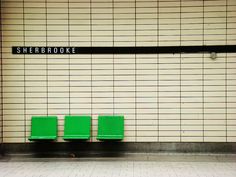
1, 111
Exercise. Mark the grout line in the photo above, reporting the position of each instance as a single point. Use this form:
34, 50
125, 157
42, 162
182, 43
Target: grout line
91, 69
180, 56
46, 17
226, 74
203, 60
158, 70
135, 60
68, 32
113, 67
24, 72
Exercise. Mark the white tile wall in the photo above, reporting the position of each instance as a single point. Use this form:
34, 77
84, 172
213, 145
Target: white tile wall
164, 97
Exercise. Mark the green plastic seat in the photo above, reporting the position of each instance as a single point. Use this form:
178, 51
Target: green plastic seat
77, 127
110, 128
43, 128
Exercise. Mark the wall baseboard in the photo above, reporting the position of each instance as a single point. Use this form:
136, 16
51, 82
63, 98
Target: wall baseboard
114, 147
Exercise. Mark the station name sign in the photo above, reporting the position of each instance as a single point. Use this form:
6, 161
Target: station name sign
44, 50
56, 50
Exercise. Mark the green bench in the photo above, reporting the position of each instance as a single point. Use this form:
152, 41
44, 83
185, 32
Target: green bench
77, 127
43, 128
110, 128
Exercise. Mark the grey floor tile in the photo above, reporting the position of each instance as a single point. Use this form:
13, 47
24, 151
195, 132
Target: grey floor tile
210, 166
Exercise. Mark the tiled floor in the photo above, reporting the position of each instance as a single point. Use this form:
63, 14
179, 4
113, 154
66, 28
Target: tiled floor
130, 166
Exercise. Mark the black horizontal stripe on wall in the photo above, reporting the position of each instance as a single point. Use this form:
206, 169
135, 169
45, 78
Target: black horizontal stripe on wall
124, 50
